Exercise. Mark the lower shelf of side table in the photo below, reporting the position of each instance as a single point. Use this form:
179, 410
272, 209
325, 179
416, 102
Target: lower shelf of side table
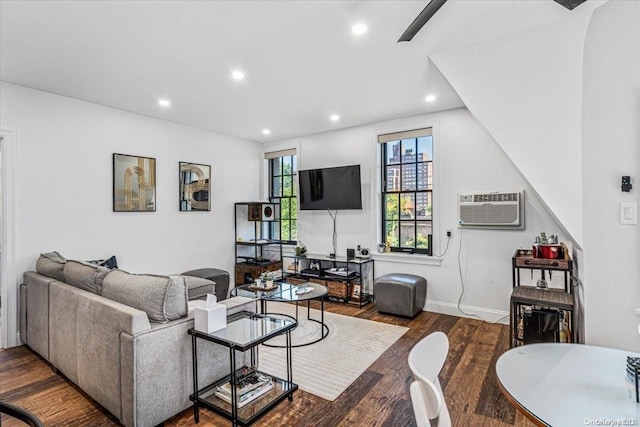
253, 410
554, 299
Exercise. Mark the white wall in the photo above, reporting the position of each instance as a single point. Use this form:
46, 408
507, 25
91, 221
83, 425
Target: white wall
64, 185
467, 159
526, 89
611, 139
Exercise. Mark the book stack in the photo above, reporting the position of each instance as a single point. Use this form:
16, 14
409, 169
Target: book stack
249, 387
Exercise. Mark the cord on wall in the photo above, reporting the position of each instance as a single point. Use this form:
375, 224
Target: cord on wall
335, 234
446, 248
463, 290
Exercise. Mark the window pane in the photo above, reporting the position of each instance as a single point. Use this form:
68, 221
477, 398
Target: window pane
393, 152
393, 178
407, 234
425, 148
392, 206
275, 189
286, 186
409, 177
286, 165
424, 233
391, 233
423, 206
275, 231
425, 176
294, 185
276, 166
294, 207
294, 230
284, 208
294, 164
407, 206
409, 150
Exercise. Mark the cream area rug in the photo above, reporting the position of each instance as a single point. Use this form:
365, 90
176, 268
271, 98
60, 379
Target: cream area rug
328, 367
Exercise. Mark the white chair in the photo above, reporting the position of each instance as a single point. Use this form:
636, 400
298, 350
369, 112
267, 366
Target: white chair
426, 360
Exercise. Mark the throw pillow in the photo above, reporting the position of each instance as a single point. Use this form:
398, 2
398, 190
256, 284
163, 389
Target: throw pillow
111, 263
163, 298
51, 264
85, 276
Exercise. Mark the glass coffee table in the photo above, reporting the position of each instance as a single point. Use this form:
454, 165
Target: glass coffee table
286, 292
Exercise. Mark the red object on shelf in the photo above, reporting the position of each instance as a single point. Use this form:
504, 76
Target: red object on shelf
550, 251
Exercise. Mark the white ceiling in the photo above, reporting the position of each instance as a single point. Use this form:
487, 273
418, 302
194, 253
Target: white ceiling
301, 61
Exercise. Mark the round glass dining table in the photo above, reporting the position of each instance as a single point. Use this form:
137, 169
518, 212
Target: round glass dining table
555, 384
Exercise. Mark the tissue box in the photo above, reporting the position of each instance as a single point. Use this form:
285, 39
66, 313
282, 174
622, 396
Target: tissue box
210, 319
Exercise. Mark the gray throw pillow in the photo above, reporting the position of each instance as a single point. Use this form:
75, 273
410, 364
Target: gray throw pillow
163, 298
85, 276
51, 264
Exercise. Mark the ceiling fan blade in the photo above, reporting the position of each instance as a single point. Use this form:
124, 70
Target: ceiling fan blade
570, 4
421, 19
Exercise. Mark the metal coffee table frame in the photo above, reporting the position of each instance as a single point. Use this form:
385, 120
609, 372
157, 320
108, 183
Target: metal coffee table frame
286, 292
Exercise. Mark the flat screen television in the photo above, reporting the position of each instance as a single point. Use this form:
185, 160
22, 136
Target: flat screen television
330, 188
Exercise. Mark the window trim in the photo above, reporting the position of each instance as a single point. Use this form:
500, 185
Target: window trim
274, 151
376, 193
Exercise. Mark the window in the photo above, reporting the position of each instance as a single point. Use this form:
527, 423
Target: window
283, 170
407, 190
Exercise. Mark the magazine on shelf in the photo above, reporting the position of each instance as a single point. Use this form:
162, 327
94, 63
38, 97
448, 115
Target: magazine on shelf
245, 383
244, 398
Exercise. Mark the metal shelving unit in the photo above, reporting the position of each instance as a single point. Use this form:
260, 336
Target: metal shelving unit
258, 247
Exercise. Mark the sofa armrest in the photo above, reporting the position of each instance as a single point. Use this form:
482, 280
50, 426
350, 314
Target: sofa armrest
149, 398
36, 314
84, 335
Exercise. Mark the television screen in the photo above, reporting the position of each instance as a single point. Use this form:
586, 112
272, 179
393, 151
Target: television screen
330, 188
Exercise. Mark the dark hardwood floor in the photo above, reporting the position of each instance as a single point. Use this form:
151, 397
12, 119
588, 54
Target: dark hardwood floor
379, 397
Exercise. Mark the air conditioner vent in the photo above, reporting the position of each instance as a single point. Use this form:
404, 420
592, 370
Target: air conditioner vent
491, 209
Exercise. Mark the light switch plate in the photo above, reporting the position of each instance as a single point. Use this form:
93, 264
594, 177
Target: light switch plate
629, 213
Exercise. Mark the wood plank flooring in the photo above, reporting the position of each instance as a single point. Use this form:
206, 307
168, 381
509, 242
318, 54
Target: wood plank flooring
379, 397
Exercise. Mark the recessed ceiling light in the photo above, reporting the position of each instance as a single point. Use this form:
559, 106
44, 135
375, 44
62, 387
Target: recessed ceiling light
237, 75
359, 29
334, 117
430, 98
164, 102
266, 131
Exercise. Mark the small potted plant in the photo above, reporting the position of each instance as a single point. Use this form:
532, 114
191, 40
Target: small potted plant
300, 249
267, 279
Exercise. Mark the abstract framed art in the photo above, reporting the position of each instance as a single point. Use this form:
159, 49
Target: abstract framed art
134, 183
194, 187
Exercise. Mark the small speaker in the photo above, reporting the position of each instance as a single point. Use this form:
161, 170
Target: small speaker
351, 254
268, 212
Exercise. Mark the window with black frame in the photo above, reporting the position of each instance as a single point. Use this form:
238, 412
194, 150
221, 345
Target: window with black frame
283, 169
407, 190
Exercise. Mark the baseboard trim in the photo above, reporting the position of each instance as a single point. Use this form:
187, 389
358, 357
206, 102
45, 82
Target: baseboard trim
486, 314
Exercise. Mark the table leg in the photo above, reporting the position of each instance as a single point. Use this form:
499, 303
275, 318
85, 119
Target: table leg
194, 357
289, 367
234, 407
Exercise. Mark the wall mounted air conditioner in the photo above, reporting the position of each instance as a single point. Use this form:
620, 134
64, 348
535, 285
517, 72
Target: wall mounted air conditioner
491, 210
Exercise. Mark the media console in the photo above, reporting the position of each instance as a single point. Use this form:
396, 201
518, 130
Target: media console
348, 280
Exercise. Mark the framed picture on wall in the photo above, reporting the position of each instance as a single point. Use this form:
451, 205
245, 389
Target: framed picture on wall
194, 187
134, 183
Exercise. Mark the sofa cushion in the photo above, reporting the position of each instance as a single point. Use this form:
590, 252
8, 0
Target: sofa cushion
198, 288
51, 264
163, 298
85, 276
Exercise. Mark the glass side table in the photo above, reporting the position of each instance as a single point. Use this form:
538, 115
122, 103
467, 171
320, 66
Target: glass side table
244, 332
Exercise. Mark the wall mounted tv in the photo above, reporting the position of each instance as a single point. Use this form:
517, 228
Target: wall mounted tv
330, 188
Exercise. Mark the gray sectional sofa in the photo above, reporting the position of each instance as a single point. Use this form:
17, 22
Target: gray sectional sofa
122, 338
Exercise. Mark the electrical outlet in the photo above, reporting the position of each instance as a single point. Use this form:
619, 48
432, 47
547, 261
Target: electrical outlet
449, 232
